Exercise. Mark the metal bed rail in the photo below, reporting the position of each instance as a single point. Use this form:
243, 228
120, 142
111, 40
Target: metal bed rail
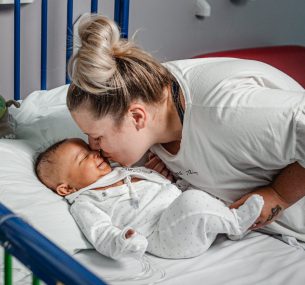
121, 16
46, 260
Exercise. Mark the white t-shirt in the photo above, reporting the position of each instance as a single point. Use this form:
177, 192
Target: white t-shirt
244, 121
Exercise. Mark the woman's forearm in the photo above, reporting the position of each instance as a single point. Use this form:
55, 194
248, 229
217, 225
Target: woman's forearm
290, 183
288, 187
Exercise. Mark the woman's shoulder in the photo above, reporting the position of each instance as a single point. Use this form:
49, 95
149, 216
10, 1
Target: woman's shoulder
223, 67
193, 73
206, 80
185, 65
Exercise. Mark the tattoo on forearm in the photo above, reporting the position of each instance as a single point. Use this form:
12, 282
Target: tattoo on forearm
274, 212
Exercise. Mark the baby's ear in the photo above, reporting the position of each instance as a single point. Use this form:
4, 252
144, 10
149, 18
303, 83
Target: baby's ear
64, 189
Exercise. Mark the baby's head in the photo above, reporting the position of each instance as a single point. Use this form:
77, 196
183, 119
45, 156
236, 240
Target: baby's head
69, 165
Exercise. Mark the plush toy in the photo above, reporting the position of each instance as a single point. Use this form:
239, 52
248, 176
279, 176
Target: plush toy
7, 122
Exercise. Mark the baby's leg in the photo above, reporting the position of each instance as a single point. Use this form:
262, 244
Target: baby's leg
191, 223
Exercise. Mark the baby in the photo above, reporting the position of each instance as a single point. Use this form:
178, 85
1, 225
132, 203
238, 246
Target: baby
127, 211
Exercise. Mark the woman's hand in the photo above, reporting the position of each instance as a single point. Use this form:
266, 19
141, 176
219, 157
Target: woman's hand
274, 205
155, 163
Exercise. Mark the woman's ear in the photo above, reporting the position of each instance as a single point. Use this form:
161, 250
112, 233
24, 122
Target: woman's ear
139, 115
64, 189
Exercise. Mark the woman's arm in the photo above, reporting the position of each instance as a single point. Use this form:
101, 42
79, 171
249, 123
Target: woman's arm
290, 183
155, 163
287, 188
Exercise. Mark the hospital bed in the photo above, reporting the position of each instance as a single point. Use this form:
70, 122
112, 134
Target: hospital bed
37, 228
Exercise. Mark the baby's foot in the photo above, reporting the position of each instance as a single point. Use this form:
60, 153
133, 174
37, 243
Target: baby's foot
247, 213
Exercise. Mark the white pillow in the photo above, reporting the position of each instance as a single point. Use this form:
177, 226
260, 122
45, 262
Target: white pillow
42, 119
21, 191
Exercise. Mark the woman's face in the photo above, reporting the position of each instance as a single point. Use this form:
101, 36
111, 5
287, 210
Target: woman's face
125, 144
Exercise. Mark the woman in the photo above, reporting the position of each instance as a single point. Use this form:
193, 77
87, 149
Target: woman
226, 126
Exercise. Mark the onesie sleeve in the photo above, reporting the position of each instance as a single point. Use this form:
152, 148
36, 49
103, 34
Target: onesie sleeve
107, 239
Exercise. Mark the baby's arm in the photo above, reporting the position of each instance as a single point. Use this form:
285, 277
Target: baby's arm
105, 237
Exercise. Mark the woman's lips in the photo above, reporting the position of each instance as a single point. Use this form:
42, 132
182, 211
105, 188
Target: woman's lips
105, 153
107, 158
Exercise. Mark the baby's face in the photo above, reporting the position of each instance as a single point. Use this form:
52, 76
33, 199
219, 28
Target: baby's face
80, 166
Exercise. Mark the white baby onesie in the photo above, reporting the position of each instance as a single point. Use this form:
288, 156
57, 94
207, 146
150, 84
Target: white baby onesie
168, 223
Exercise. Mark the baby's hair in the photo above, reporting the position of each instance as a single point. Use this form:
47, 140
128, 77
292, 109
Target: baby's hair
44, 161
108, 72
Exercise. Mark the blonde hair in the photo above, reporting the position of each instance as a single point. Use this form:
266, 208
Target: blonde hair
108, 72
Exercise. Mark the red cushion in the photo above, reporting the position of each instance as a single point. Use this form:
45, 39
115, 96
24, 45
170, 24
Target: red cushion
289, 59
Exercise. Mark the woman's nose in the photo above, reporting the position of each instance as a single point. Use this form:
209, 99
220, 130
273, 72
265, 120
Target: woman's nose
94, 144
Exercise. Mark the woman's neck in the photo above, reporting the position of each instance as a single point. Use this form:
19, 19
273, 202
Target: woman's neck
167, 123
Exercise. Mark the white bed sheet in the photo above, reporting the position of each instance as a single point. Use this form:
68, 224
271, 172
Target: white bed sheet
257, 259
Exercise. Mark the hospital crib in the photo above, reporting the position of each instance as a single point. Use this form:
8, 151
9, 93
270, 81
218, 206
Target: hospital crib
19, 239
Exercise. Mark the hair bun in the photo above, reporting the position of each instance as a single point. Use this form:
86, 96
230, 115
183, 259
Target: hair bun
99, 31
104, 61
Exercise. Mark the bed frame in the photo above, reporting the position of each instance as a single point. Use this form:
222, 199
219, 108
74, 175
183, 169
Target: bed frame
121, 16
47, 261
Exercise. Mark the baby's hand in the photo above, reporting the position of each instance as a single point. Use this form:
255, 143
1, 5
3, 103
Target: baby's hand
133, 245
155, 163
129, 233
